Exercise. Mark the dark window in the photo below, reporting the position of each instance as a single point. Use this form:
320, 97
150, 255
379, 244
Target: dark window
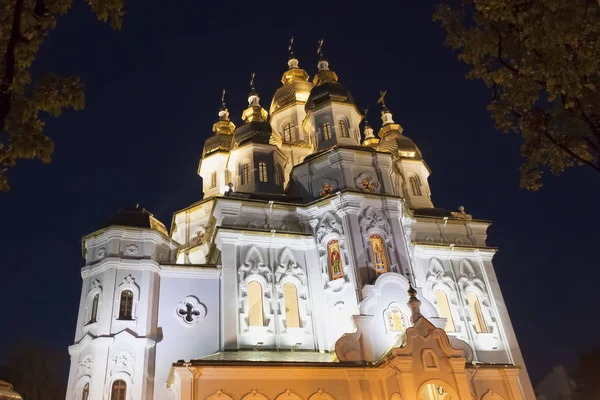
245, 173
326, 131
262, 171
119, 390
289, 131
94, 313
344, 129
126, 309
86, 392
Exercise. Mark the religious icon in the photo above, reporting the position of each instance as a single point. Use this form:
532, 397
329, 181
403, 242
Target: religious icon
379, 260
395, 321
326, 189
334, 259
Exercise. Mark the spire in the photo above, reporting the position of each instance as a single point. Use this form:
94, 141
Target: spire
223, 125
386, 115
325, 74
414, 303
254, 112
370, 139
292, 60
323, 65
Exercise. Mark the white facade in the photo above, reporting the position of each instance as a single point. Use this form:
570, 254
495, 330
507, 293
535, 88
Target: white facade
299, 271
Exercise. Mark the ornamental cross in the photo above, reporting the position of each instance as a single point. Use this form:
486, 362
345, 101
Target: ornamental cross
320, 48
189, 312
381, 100
223, 92
290, 51
252, 75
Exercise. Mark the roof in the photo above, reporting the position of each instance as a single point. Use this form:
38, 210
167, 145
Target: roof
254, 131
328, 91
137, 218
7, 392
395, 142
217, 142
290, 93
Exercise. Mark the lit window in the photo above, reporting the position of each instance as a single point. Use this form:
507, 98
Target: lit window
289, 131
119, 390
292, 314
475, 306
255, 304
326, 131
86, 392
94, 311
378, 254
262, 171
227, 177
245, 173
344, 129
213, 180
445, 312
125, 311
415, 185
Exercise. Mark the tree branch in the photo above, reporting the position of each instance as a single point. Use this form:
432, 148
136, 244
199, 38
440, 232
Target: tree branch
10, 64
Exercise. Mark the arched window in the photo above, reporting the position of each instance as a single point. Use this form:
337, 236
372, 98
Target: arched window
278, 175
343, 128
126, 309
445, 312
415, 185
475, 306
119, 390
255, 304
262, 171
227, 177
326, 130
379, 260
94, 311
86, 392
245, 173
213, 180
292, 314
289, 132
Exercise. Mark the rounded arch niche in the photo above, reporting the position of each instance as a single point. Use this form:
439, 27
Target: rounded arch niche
436, 389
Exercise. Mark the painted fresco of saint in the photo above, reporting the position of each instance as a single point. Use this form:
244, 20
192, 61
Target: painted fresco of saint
335, 260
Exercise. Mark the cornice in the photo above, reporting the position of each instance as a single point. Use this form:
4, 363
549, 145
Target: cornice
164, 270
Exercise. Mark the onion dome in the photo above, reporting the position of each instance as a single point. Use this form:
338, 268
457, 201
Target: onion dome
296, 87
256, 128
391, 138
327, 88
223, 130
136, 217
370, 139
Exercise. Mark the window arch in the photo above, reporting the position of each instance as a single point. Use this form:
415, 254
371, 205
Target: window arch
213, 180
94, 310
476, 312
262, 171
119, 390
379, 260
415, 185
445, 311
326, 130
245, 173
292, 312
126, 306
85, 394
289, 132
343, 128
255, 304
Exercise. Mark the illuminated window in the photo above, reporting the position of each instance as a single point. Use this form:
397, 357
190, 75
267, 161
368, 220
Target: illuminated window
445, 312
125, 311
289, 131
292, 314
86, 392
227, 177
255, 304
378, 254
94, 311
119, 390
344, 129
326, 131
213, 180
475, 306
278, 175
415, 185
245, 173
262, 171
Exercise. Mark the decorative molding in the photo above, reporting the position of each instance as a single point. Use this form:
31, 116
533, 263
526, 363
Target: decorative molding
491, 395
392, 315
254, 266
320, 395
254, 395
328, 224
131, 249
95, 286
219, 395
371, 218
366, 183
288, 267
122, 362
162, 257
100, 253
190, 310
288, 395
85, 366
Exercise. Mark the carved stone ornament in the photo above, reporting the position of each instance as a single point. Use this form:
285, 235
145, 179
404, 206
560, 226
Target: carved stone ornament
95, 285
329, 223
100, 253
131, 249
162, 257
372, 218
461, 214
122, 362
366, 183
85, 366
190, 310
254, 266
219, 395
288, 267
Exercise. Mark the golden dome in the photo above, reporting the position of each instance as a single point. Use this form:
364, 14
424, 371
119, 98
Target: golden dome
295, 90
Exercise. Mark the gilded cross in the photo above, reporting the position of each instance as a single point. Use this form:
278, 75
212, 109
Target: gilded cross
320, 48
381, 100
252, 75
223, 97
290, 47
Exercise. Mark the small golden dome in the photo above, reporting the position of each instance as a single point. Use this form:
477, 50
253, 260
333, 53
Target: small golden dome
295, 90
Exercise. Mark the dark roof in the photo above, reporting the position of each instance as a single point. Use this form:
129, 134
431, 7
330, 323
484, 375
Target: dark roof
255, 131
217, 142
395, 142
432, 212
328, 91
137, 218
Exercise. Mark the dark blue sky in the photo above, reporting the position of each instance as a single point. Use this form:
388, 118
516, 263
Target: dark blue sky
152, 94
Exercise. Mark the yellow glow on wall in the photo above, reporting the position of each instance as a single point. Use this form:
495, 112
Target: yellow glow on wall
442, 301
476, 312
292, 314
255, 304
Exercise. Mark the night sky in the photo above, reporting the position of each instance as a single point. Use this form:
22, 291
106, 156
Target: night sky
153, 92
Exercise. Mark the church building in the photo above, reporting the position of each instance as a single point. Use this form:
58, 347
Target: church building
315, 267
